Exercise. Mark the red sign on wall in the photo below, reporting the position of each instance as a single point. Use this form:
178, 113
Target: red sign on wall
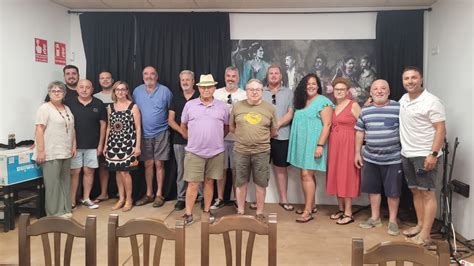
41, 50
59, 53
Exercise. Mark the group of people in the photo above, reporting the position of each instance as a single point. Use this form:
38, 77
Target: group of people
243, 129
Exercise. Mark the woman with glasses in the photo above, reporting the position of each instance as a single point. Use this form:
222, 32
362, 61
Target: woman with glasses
55, 144
123, 142
343, 178
309, 132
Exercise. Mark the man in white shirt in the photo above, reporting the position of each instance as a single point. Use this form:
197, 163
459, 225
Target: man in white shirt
230, 94
422, 132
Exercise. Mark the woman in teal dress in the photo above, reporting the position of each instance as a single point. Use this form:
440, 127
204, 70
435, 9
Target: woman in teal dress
309, 131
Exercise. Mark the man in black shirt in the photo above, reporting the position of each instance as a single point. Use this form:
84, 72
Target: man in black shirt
186, 81
71, 78
90, 118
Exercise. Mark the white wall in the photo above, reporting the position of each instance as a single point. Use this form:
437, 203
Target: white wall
23, 82
449, 75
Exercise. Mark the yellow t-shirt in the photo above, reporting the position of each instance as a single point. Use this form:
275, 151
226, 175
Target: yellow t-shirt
252, 126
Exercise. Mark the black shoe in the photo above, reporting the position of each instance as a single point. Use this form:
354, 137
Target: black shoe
218, 203
188, 219
179, 205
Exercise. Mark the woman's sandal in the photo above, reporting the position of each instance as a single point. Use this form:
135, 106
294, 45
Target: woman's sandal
118, 205
345, 219
128, 206
253, 206
287, 206
305, 217
337, 215
313, 211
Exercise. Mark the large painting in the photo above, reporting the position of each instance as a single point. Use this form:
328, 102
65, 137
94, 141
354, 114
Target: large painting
329, 59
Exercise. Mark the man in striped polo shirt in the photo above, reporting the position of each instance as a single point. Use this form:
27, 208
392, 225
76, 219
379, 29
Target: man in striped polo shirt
380, 160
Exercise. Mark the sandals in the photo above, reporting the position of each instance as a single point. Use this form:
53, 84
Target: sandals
336, 216
412, 231
313, 211
128, 206
419, 241
287, 206
305, 217
99, 200
345, 219
118, 205
253, 206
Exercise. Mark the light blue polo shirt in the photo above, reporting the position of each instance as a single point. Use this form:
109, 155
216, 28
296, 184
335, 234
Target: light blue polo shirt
153, 108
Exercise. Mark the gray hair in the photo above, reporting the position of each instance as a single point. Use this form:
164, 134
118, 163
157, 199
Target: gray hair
189, 72
231, 68
57, 84
253, 80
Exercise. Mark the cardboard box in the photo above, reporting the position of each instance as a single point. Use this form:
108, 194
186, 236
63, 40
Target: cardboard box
16, 166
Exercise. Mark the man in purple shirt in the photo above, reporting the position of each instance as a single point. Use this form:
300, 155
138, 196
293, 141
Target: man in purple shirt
204, 158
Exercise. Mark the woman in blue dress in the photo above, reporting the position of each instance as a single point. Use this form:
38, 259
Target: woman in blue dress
309, 132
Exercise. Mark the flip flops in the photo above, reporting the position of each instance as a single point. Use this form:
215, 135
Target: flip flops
313, 211
345, 219
337, 215
99, 200
305, 217
287, 206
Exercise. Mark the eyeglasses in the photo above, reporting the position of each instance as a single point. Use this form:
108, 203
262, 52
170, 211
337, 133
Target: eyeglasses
121, 90
56, 91
229, 99
274, 100
254, 89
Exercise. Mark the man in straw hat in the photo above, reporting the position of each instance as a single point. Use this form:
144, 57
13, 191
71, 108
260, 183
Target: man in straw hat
204, 159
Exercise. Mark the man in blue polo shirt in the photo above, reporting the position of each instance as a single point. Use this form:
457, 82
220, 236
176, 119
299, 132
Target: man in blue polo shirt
153, 100
380, 160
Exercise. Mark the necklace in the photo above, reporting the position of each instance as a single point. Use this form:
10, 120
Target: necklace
68, 121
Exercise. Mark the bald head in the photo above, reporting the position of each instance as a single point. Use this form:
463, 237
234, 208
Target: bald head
379, 91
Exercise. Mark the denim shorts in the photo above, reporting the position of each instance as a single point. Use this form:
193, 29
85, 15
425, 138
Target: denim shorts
85, 158
416, 176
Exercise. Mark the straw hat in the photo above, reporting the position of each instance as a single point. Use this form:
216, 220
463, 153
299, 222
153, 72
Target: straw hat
206, 81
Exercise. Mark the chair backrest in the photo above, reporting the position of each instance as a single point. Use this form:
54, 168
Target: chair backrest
399, 252
57, 226
146, 227
239, 223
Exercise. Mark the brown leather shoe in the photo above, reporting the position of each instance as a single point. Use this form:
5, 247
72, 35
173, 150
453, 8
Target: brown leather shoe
144, 200
159, 201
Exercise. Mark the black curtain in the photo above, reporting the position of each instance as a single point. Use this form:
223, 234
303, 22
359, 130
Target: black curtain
175, 41
125, 43
399, 43
108, 40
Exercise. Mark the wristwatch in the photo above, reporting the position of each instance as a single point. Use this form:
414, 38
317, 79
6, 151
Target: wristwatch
434, 154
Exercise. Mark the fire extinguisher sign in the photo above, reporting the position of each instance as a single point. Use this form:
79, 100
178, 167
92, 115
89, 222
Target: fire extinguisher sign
41, 50
59, 53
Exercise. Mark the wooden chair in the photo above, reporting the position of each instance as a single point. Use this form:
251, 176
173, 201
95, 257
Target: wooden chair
57, 226
399, 252
146, 227
239, 223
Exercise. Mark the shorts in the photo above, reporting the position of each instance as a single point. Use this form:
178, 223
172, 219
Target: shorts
228, 148
279, 152
375, 176
416, 176
85, 158
156, 148
197, 168
255, 164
